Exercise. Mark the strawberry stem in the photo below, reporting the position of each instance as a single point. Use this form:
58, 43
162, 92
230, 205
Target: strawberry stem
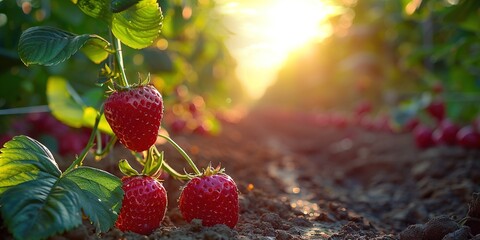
183, 153
117, 46
101, 153
172, 172
79, 160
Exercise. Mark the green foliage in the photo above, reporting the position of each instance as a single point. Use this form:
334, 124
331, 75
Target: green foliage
189, 51
50, 46
70, 108
136, 23
138, 26
388, 52
38, 201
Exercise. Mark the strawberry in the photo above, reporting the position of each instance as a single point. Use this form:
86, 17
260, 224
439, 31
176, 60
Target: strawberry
436, 109
135, 116
423, 137
211, 198
143, 206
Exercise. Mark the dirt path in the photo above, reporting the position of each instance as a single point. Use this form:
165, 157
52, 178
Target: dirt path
301, 181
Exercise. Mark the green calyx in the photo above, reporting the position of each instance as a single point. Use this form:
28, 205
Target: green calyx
210, 171
152, 164
126, 168
142, 82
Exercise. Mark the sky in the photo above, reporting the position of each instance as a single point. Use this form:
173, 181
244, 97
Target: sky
266, 31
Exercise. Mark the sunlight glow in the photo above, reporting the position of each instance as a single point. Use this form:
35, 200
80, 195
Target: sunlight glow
266, 32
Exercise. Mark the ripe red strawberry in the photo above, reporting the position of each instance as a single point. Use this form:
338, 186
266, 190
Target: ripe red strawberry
143, 206
213, 199
135, 116
436, 109
446, 133
423, 137
468, 138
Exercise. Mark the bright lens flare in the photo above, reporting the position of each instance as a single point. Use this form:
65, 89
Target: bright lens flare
267, 31
291, 24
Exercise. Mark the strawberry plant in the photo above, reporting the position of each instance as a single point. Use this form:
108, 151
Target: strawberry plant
33, 187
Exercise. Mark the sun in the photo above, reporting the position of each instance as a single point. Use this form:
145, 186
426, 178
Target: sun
291, 24
267, 31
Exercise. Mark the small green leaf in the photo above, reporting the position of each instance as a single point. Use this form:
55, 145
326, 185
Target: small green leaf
96, 50
24, 159
100, 194
49, 46
139, 25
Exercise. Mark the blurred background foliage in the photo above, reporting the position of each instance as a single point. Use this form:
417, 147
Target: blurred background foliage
388, 53
189, 53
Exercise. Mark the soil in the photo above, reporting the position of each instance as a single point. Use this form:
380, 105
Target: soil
302, 180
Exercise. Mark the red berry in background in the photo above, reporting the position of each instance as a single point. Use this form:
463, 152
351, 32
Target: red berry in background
339, 121
135, 116
411, 124
192, 108
72, 142
363, 108
436, 109
468, 138
178, 125
201, 129
213, 199
423, 137
143, 206
446, 133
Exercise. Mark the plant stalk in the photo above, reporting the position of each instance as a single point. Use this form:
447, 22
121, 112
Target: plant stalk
172, 172
101, 153
79, 160
120, 68
183, 153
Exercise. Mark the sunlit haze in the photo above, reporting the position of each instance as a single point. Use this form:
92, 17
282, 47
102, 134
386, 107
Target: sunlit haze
265, 32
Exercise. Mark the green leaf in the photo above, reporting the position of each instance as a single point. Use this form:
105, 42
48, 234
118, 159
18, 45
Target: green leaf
24, 159
49, 46
70, 109
40, 208
100, 195
139, 25
60, 101
96, 50
95, 8
33, 204
38, 202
